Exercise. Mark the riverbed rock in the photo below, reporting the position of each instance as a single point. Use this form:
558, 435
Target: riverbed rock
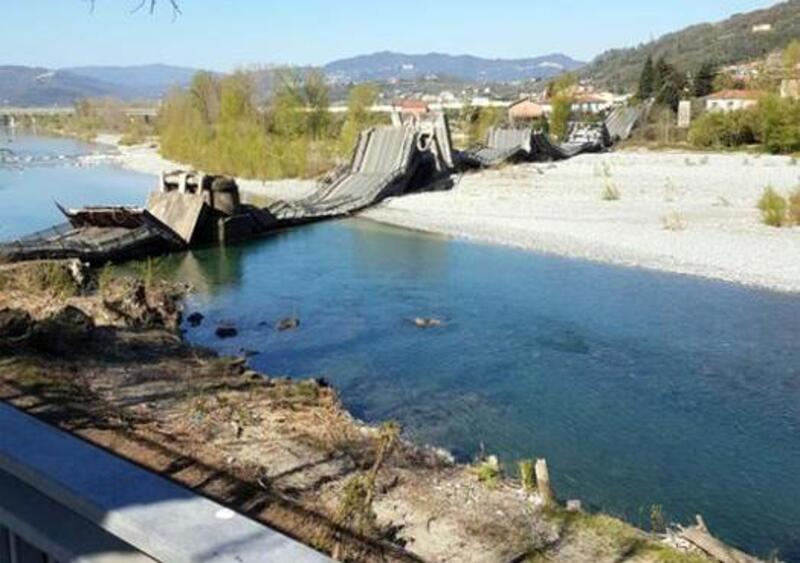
226, 331
195, 319
427, 322
140, 307
289, 323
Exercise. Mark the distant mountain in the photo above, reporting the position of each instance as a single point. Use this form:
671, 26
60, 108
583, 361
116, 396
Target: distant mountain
388, 66
144, 81
33, 86
30, 86
741, 38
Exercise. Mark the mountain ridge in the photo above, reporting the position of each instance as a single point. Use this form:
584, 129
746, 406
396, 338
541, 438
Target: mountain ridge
730, 41
389, 65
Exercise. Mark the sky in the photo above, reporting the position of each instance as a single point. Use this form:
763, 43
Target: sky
228, 34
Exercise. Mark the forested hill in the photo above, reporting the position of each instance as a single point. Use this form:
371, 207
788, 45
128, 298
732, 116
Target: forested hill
728, 42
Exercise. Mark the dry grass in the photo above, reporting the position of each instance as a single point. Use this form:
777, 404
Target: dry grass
673, 222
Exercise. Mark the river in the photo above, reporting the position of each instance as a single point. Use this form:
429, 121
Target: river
640, 388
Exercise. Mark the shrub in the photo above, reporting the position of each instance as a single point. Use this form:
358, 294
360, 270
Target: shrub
794, 206
489, 472
527, 475
673, 222
773, 208
724, 130
611, 192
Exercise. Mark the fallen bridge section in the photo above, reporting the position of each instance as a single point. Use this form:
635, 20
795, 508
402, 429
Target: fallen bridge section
511, 145
388, 161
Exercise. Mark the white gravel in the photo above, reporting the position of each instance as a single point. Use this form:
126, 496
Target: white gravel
685, 213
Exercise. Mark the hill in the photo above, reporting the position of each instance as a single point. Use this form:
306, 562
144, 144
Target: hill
735, 40
143, 81
35, 86
397, 66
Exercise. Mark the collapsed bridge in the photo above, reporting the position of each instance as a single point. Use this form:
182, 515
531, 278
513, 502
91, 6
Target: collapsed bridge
191, 209
511, 145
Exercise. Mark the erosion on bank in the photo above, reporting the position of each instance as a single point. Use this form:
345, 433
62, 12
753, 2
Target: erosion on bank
101, 356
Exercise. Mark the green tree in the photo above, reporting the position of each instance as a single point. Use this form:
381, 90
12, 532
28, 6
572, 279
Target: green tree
704, 80
559, 119
646, 80
361, 98
317, 97
791, 55
668, 84
205, 92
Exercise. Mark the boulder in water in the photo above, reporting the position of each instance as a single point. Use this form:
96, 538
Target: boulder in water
226, 331
195, 319
427, 322
289, 323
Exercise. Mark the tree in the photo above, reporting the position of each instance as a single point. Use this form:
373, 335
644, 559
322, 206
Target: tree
559, 119
646, 80
361, 98
205, 92
791, 56
668, 84
317, 98
150, 5
704, 80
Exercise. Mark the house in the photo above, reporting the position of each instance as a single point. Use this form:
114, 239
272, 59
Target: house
525, 109
732, 100
590, 103
414, 107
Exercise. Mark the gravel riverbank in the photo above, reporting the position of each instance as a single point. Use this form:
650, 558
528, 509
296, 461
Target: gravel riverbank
677, 212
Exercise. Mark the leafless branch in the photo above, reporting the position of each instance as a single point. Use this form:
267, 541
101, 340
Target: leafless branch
150, 5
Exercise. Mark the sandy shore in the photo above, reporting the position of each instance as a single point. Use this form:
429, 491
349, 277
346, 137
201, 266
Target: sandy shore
684, 213
677, 212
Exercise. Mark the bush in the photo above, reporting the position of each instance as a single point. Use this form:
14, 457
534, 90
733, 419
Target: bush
773, 208
527, 475
611, 192
794, 207
724, 130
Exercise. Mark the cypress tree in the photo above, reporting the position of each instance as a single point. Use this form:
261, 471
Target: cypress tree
704, 81
646, 80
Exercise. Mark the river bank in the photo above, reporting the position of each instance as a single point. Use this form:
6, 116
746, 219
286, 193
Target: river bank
669, 211
674, 212
282, 451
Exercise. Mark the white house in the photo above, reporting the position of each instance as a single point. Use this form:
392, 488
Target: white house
590, 103
732, 100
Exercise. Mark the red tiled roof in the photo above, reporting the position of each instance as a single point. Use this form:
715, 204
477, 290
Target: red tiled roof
590, 99
412, 105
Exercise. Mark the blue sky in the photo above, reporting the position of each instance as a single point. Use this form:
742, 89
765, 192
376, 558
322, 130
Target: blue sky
225, 34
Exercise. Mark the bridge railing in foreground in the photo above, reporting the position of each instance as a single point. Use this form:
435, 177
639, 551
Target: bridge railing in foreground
62, 499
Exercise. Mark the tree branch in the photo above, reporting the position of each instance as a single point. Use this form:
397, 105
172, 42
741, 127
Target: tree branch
149, 4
